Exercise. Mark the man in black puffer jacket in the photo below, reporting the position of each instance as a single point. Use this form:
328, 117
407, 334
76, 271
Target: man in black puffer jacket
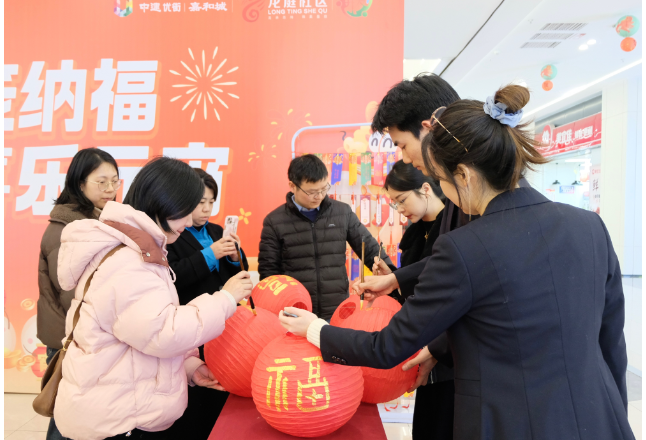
306, 237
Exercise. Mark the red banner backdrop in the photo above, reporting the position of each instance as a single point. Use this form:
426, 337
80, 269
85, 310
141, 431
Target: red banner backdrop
223, 86
578, 135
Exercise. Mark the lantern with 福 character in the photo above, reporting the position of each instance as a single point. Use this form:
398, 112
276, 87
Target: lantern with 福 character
231, 355
276, 292
379, 385
298, 393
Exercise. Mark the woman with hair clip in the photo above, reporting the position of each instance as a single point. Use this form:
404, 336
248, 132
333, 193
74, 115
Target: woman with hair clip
134, 350
420, 199
530, 294
92, 180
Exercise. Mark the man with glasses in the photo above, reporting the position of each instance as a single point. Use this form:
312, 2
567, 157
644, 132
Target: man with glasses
306, 237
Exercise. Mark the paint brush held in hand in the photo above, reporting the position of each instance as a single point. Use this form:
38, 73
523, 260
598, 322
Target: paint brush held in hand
363, 262
253, 307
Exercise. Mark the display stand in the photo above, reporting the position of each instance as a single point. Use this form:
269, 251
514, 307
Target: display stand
241, 420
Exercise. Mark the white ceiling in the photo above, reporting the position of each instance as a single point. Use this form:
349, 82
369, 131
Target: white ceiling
441, 30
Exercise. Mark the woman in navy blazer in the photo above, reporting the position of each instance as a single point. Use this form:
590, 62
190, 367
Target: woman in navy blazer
530, 293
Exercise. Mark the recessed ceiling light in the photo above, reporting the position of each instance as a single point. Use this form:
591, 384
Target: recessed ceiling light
583, 47
591, 42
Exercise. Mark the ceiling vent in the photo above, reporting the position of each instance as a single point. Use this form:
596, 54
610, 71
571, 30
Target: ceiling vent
553, 36
542, 45
563, 26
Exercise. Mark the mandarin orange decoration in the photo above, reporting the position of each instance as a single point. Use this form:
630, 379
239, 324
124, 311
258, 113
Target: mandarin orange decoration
231, 355
379, 385
298, 393
547, 85
276, 292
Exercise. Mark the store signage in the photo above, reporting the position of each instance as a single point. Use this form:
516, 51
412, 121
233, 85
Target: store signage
567, 189
595, 188
579, 135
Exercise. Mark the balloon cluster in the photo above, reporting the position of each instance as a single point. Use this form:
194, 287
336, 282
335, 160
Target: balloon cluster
548, 73
626, 27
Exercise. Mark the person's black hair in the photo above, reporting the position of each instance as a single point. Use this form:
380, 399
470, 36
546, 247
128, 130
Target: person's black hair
405, 177
83, 164
165, 189
209, 181
409, 103
306, 168
501, 154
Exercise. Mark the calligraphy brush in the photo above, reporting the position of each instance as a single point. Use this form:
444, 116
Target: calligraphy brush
363, 262
381, 246
253, 307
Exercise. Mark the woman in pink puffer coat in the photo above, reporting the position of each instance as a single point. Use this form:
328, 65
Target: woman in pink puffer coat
135, 347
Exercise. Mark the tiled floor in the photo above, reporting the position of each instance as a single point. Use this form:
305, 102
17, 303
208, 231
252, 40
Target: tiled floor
21, 423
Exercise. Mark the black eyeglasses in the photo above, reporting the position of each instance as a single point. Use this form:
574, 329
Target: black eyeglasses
434, 120
313, 194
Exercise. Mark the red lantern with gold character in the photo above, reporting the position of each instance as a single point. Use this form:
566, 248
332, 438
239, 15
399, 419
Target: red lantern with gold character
299, 394
231, 355
379, 385
279, 291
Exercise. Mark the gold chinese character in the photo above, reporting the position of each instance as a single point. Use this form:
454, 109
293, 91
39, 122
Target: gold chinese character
273, 284
281, 383
313, 381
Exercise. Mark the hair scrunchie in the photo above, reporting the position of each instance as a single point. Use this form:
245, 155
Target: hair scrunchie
497, 111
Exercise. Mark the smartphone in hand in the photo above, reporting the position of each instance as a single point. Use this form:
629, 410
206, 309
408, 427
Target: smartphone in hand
230, 225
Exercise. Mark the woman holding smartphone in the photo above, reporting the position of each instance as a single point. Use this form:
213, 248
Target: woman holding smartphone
203, 261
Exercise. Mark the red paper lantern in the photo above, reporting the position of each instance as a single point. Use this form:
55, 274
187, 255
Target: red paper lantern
548, 85
379, 385
279, 291
299, 394
345, 309
353, 303
628, 44
231, 355
387, 303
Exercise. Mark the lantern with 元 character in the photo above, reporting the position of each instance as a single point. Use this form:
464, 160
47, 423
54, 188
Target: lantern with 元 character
298, 393
276, 292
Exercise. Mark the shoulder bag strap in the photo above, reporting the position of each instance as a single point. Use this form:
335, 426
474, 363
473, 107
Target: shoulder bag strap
77, 313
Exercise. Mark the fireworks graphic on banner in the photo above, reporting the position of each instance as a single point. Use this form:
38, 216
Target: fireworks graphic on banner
205, 84
284, 125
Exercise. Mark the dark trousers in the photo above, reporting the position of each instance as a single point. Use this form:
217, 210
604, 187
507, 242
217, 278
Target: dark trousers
52, 431
433, 416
